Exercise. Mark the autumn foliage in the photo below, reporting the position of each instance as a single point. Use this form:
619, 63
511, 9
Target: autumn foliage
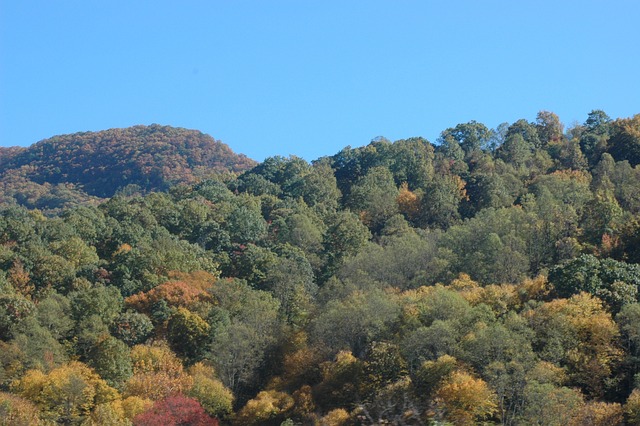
175, 410
491, 277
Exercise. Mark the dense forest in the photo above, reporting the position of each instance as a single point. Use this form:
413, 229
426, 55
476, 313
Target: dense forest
70, 169
151, 276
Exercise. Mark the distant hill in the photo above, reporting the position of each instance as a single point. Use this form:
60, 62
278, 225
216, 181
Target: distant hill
99, 163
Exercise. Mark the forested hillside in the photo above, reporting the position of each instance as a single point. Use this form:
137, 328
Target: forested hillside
67, 169
490, 277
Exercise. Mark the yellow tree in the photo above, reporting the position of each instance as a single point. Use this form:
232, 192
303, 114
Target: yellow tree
67, 394
465, 399
157, 373
580, 334
214, 397
17, 411
268, 407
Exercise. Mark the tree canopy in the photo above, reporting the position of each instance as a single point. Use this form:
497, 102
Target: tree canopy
149, 275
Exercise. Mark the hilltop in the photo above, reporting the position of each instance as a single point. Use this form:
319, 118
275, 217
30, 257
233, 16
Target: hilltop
98, 164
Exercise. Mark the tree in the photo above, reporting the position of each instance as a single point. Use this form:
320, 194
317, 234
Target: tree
632, 407
465, 399
471, 136
374, 197
52, 271
244, 328
214, 397
528, 131
188, 334
383, 365
602, 217
302, 231
104, 302
75, 251
246, 225
593, 141
404, 260
432, 375
547, 404
515, 150
14, 308
549, 127
268, 407
599, 413
53, 314
412, 162
498, 343
429, 343
319, 188
187, 290
132, 327
16, 411
628, 320
290, 279
441, 201
66, 394
157, 373
336, 417
614, 282
352, 323
579, 334
449, 150
110, 413
492, 246
111, 359
175, 410
39, 347
341, 381
624, 143
345, 236
395, 403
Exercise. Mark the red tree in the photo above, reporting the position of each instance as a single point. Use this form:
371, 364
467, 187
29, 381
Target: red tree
175, 410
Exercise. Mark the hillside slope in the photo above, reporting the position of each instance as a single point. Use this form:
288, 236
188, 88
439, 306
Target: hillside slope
99, 163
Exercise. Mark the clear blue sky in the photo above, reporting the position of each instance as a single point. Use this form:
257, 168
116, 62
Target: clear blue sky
310, 77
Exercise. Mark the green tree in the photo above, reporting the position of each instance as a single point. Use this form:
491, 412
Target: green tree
54, 314
549, 405
244, 328
111, 360
374, 198
188, 334
594, 138
624, 143
345, 236
441, 201
528, 131
352, 323
471, 136
290, 280
412, 162
319, 188
132, 327
515, 151
614, 282
246, 225
104, 302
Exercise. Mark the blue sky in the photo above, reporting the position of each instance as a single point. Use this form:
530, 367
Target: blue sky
310, 77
